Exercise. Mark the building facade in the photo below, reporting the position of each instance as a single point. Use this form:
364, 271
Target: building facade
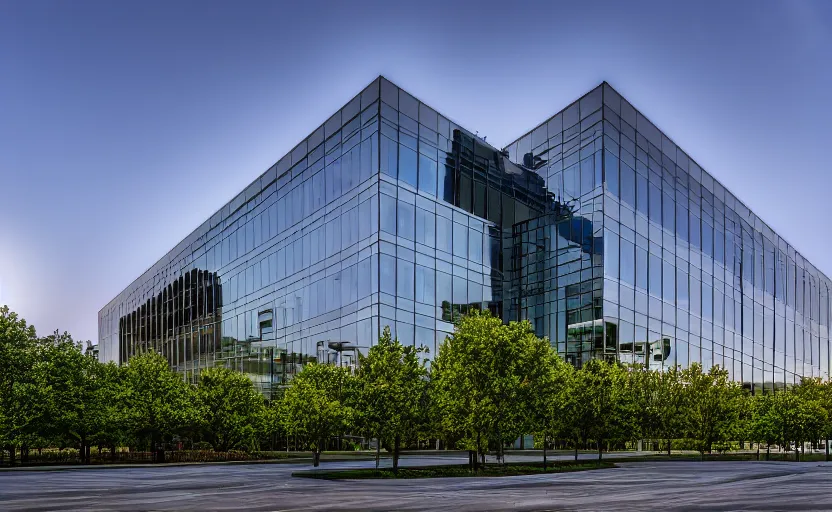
594, 226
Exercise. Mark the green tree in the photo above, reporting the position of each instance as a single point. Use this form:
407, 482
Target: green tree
644, 389
232, 411
713, 406
670, 406
784, 416
110, 421
272, 426
392, 385
812, 392
604, 407
20, 407
315, 405
478, 379
762, 427
548, 390
158, 403
70, 382
575, 410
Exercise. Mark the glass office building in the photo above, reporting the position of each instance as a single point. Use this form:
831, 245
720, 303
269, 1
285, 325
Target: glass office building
594, 226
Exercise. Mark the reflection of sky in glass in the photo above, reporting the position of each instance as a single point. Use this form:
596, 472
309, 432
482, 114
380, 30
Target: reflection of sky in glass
102, 126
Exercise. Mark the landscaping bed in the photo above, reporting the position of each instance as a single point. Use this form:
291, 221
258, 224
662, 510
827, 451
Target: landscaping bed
453, 471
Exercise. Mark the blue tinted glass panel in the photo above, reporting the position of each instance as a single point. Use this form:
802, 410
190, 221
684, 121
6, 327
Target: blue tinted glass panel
407, 165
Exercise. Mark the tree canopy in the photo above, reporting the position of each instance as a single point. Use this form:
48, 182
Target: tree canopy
158, 403
232, 412
316, 405
391, 386
489, 384
482, 380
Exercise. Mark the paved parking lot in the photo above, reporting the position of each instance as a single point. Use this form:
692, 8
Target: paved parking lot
270, 487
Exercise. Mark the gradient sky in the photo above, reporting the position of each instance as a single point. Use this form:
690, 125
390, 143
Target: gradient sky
124, 125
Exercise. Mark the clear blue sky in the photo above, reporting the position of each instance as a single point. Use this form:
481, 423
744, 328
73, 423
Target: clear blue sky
124, 125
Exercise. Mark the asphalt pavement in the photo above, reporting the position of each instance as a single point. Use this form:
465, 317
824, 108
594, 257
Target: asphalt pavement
672, 485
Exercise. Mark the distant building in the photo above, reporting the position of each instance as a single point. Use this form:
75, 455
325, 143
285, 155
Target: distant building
594, 226
91, 350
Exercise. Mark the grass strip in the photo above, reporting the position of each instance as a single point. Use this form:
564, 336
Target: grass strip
452, 471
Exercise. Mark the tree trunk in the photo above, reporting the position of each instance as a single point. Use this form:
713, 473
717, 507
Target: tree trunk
576, 449
758, 451
316, 457
768, 451
158, 450
113, 451
477, 454
396, 443
378, 452
544, 453
669, 446
826, 449
600, 450
11, 455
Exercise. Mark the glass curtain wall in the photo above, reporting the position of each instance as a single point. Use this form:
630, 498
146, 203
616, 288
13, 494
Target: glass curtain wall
691, 274
595, 226
653, 262
558, 259
284, 274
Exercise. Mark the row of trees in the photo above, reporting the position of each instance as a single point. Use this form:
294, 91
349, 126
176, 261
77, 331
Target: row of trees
54, 395
489, 384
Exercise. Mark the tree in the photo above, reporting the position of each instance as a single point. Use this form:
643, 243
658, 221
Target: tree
604, 406
232, 411
785, 419
110, 422
19, 405
70, 383
272, 425
744, 421
762, 427
392, 385
795, 417
548, 389
713, 403
158, 403
314, 405
644, 389
812, 390
669, 405
478, 377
